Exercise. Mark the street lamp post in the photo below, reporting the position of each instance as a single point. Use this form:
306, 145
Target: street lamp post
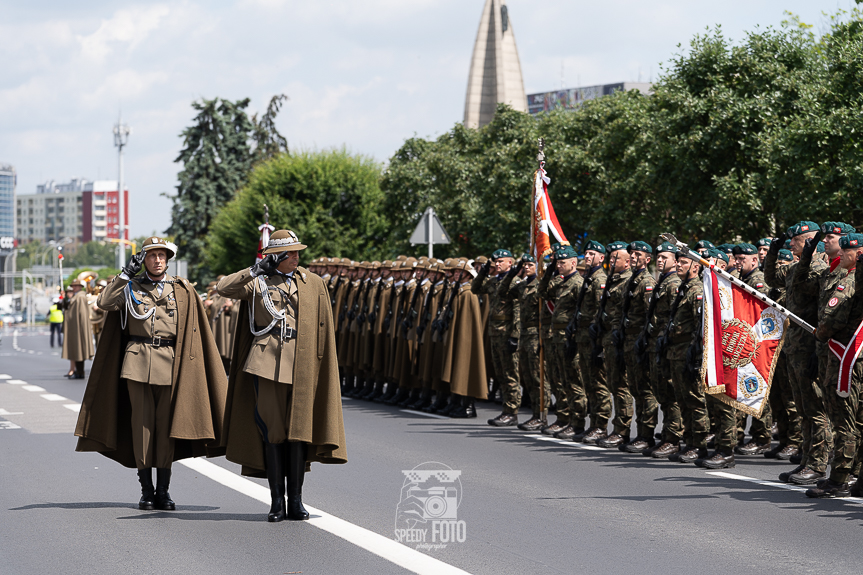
121, 138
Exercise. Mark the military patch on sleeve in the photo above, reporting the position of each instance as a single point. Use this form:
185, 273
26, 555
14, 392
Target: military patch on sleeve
699, 297
648, 288
759, 285
833, 302
601, 286
840, 288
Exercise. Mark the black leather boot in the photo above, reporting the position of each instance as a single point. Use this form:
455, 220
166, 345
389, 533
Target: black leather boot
465, 410
275, 456
439, 404
453, 404
148, 492
163, 498
377, 391
413, 396
359, 387
386, 396
368, 390
296, 471
79, 370
423, 400
400, 395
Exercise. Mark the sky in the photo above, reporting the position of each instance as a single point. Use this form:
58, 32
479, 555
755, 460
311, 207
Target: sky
359, 74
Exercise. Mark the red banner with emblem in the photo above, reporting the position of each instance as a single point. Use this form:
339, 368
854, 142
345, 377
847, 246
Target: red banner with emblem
545, 225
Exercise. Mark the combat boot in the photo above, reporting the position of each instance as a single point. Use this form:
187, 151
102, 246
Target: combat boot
566, 433
578, 437
377, 392
613, 441
639, 445
367, 388
692, 454
785, 476
348, 387
423, 400
453, 404
666, 450
400, 395
148, 492
359, 387
504, 420
295, 469
554, 427
806, 476
787, 452
274, 454
595, 435
718, 461
387, 395
413, 395
439, 404
535, 423
829, 490
752, 448
163, 498
467, 409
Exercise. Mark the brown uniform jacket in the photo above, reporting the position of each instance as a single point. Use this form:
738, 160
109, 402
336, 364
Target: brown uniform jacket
77, 329
464, 363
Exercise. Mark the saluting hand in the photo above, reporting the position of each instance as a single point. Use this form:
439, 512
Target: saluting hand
136, 262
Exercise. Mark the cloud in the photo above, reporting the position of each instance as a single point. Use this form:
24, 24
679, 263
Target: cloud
130, 27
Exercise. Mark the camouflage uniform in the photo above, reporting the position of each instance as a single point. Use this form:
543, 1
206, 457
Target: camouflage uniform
526, 301
781, 397
564, 295
592, 375
636, 300
761, 427
685, 316
661, 303
610, 316
502, 325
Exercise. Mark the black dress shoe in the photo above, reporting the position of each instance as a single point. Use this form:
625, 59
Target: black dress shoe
829, 490
752, 448
613, 441
785, 475
718, 461
796, 459
532, 424
567, 433
692, 454
806, 476
638, 446
665, 450
786, 452
504, 420
594, 436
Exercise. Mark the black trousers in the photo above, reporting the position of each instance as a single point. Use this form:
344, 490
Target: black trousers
58, 329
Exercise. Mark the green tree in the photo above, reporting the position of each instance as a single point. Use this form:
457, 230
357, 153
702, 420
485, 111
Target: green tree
93, 254
332, 201
268, 141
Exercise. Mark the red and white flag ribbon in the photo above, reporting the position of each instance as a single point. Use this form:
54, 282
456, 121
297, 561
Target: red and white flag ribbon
847, 357
545, 224
742, 340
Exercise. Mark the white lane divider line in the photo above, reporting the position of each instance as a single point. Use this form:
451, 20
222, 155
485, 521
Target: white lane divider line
777, 485
432, 415
5, 376
565, 442
76, 407
389, 549
4, 412
8, 425
17, 382
33, 388
54, 397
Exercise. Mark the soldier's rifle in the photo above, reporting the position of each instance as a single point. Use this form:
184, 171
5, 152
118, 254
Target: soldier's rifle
411, 313
446, 313
684, 250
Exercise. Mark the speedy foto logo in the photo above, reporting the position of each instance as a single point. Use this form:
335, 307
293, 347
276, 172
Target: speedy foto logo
427, 514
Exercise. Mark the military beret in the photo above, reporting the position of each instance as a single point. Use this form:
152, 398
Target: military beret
614, 246
565, 253
785, 256
744, 250
803, 227
639, 246
595, 246
786, 245
764, 242
717, 254
555, 246
704, 245
727, 249
821, 247
527, 258
666, 247
851, 241
502, 253
839, 228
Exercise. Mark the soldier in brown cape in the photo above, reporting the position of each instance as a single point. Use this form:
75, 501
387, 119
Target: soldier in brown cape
365, 329
156, 393
377, 312
223, 323
343, 331
97, 315
284, 408
426, 305
77, 332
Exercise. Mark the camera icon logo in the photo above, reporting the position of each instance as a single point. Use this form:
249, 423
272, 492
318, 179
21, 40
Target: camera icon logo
427, 512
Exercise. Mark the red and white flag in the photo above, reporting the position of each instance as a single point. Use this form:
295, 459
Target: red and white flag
545, 224
742, 340
265, 229
847, 356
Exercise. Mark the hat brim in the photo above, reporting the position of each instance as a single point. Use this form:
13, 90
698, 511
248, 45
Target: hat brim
279, 249
169, 247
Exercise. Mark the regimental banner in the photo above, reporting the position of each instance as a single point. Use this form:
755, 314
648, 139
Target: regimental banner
742, 340
545, 224
847, 356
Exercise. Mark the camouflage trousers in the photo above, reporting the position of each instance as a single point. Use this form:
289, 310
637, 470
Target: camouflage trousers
845, 413
814, 422
528, 357
646, 407
760, 428
660, 379
576, 399
783, 407
726, 423
615, 370
693, 406
593, 377
555, 378
506, 369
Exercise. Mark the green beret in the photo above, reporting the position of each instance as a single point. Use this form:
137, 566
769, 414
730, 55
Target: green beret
785, 256
786, 245
501, 254
744, 250
565, 253
555, 246
639, 246
718, 254
821, 247
614, 246
666, 247
527, 258
838, 228
704, 245
851, 241
595, 246
803, 227
764, 242
727, 249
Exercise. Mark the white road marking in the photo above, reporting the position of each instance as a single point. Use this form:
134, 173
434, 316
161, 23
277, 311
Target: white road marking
4, 412
17, 382
54, 397
777, 485
5, 376
566, 442
76, 407
434, 415
8, 425
389, 549
33, 388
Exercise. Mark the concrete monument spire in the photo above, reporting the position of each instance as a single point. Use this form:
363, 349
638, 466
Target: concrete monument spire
495, 72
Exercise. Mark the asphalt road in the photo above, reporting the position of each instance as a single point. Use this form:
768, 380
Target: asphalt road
525, 504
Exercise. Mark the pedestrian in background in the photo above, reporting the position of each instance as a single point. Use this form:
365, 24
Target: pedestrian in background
55, 320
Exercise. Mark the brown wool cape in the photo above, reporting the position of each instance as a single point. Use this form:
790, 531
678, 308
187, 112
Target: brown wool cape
198, 393
464, 363
316, 401
78, 331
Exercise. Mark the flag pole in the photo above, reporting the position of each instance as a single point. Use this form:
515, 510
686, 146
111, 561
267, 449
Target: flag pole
684, 249
540, 158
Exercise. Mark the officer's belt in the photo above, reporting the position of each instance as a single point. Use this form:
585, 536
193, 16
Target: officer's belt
276, 330
501, 317
560, 325
154, 341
